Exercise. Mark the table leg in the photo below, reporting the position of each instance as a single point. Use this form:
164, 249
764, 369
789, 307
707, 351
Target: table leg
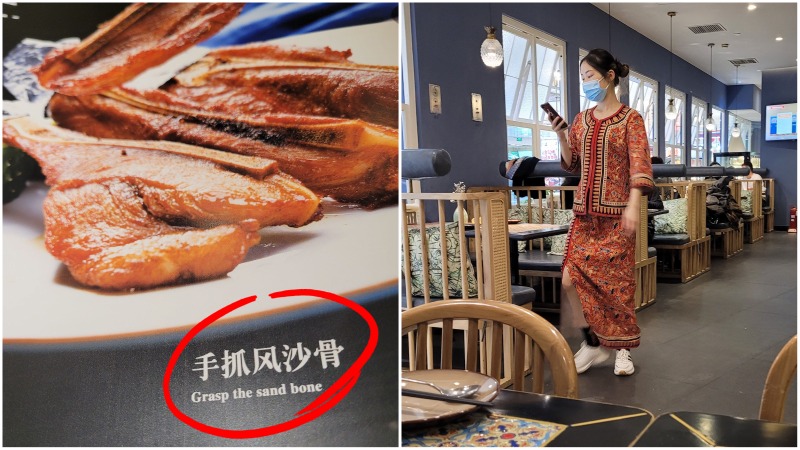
514, 254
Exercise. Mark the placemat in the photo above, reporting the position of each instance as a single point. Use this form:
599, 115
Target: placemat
485, 429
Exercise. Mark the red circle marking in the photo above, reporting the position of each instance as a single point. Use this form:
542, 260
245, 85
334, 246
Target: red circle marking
325, 401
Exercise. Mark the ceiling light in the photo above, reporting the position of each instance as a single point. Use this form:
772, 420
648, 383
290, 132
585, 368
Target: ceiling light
736, 131
778, 38
751, 7
491, 49
710, 125
671, 112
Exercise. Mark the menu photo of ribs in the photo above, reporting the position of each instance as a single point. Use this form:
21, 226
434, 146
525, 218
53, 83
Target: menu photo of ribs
264, 164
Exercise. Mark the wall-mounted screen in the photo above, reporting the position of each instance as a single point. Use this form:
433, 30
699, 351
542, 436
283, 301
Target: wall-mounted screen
781, 123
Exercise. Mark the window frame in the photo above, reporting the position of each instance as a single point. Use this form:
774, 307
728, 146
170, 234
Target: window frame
650, 113
538, 124
408, 106
673, 146
699, 114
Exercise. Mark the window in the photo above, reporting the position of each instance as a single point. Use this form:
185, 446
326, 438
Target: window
643, 97
408, 116
674, 144
716, 135
698, 140
533, 66
745, 128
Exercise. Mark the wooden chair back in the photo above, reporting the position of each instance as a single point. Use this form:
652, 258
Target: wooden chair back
492, 268
780, 377
534, 339
695, 194
769, 188
740, 187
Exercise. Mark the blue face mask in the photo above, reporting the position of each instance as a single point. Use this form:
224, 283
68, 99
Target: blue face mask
593, 91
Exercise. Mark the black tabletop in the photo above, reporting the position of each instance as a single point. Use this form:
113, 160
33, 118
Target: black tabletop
692, 429
586, 423
527, 231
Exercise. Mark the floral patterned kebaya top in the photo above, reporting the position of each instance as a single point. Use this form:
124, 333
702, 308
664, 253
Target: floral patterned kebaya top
612, 156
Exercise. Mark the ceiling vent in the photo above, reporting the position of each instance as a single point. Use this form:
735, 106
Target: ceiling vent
713, 28
741, 62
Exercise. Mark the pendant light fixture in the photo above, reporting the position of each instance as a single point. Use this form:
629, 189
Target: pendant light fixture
710, 125
736, 131
491, 49
672, 111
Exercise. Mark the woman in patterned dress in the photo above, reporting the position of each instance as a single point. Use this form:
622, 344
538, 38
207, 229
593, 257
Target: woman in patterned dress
607, 145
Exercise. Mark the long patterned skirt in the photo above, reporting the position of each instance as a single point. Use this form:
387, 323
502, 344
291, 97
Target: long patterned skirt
600, 260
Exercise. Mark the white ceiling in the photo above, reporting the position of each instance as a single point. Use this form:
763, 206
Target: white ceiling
758, 29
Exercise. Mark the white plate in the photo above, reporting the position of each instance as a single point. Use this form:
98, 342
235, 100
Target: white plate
350, 252
420, 410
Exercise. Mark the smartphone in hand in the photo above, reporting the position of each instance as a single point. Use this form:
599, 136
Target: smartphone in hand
551, 112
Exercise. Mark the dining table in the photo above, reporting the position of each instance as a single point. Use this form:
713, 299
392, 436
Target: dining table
534, 420
695, 429
523, 232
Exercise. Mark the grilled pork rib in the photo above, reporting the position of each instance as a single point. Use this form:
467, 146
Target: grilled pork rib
349, 160
106, 236
119, 212
140, 37
260, 79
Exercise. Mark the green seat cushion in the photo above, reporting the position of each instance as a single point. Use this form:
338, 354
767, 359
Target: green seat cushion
453, 249
673, 222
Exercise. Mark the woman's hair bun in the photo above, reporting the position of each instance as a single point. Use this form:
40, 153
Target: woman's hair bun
624, 69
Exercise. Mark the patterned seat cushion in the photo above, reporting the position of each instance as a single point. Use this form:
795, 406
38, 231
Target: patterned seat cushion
555, 244
453, 248
673, 222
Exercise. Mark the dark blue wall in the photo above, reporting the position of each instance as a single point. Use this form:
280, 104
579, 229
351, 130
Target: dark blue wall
745, 96
780, 157
447, 39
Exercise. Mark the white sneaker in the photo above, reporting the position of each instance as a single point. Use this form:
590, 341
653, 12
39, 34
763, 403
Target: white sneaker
624, 363
588, 356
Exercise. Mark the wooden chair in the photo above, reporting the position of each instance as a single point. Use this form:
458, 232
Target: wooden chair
533, 338
780, 377
538, 204
685, 256
729, 242
753, 218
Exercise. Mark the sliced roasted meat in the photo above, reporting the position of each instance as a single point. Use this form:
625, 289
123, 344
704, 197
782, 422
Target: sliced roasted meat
349, 160
174, 187
261, 79
107, 237
140, 37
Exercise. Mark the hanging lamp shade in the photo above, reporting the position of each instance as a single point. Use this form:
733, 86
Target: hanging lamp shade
491, 49
736, 131
672, 111
710, 125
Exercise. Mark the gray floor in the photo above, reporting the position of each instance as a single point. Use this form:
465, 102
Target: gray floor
707, 345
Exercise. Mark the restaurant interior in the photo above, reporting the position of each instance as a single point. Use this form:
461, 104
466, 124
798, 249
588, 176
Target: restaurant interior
487, 352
